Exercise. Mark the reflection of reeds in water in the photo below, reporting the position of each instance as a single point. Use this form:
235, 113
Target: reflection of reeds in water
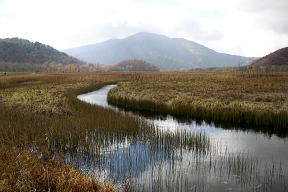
157, 161
179, 161
229, 172
132, 156
197, 142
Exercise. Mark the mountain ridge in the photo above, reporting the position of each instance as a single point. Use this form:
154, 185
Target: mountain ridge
276, 58
166, 53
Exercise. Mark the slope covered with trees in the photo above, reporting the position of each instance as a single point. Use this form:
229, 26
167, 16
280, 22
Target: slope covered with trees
22, 55
276, 60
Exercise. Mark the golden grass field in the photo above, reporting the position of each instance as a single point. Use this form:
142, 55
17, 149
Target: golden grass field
40, 111
257, 99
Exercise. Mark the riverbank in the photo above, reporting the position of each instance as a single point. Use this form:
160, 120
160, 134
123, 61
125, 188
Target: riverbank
240, 98
42, 120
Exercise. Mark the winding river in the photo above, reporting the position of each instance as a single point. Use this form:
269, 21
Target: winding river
232, 159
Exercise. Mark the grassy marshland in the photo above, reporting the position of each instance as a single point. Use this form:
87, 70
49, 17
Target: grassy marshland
245, 99
42, 121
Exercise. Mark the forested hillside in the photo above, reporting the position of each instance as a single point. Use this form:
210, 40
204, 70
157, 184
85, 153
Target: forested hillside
22, 55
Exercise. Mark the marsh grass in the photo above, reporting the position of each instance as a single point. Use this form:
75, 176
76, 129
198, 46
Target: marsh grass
37, 135
25, 172
264, 122
42, 120
241, 99
44, 135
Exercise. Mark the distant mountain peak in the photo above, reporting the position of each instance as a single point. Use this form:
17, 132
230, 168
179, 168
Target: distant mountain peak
146, 35
164, 52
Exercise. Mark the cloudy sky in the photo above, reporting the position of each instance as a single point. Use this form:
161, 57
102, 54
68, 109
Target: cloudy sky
242, 27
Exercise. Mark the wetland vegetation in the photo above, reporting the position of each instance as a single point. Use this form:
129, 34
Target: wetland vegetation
84, 147
41, 117
246, 99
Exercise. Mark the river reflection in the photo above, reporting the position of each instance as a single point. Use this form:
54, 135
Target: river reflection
227, 159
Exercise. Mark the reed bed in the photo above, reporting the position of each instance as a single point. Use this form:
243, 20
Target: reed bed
43, 121
242, 99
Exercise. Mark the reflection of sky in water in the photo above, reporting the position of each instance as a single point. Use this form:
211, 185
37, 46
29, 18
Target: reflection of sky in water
98, 97
170, 124
140, 160
255, 144
119, 163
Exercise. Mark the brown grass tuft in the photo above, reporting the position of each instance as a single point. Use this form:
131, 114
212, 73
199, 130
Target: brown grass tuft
25, 172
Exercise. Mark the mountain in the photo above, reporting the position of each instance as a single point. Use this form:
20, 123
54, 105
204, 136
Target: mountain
133, 65
278, 58
166, 53
22, 55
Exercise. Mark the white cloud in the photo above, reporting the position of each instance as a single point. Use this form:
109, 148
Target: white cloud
245, 27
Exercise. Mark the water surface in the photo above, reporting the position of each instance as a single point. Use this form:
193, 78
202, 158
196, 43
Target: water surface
221, 160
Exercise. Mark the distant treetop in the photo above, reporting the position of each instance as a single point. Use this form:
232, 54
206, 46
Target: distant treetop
134, 65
